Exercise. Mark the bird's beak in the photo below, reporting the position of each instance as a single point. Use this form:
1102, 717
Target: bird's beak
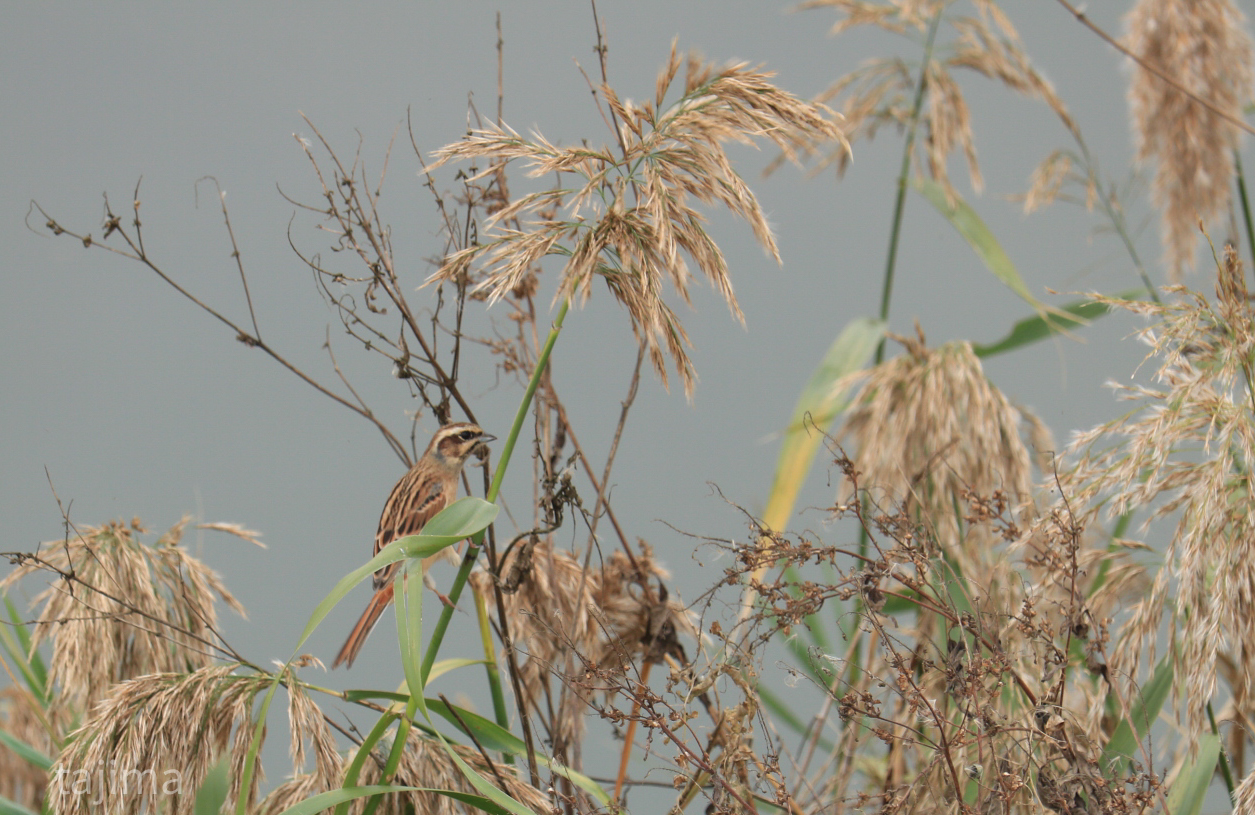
487, 437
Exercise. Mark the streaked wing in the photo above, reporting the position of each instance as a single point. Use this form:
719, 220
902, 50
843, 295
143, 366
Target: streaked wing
410, 506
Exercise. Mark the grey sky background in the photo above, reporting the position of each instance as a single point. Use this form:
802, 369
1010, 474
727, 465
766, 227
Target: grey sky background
138, 404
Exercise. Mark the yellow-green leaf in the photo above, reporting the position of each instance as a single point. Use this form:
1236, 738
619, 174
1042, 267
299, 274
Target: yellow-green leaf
963, 218
821, 401
454, 523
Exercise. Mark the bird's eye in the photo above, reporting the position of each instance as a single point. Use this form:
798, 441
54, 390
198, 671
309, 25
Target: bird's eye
467, 435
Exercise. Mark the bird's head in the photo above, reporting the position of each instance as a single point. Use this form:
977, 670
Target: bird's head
453, 444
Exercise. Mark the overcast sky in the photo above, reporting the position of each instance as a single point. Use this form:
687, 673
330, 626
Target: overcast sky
137, 404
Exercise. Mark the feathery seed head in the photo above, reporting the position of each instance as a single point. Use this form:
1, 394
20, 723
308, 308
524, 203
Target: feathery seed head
1204, 45
134, 609
882, 91
929, 426
1187, 452
630, 218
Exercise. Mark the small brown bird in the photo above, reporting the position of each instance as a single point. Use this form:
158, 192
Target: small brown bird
429, 486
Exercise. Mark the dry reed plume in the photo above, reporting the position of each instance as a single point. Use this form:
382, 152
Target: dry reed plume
566, 616
881, 91
1185, 452
929, 427
630, 220
122, 608
169, 723
1203, 44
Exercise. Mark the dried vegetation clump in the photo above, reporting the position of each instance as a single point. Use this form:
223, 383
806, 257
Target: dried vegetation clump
1203, 45
629, 219
123, 608
1186, 451
984, 656
929, 426
885, 91
167, 723
566, 617
947, 686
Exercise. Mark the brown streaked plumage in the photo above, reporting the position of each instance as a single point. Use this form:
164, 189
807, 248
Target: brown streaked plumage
429, 486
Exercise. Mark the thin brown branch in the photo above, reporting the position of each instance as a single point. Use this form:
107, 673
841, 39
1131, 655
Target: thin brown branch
1084, 20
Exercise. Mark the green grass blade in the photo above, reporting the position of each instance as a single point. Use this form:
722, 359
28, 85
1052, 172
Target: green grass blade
494, 737
25, 751
963, 218
363, 752
251, 758
1142, 714
444, 666
326, 800
821, 401
13, 650
481, 784
367, 693
8, 807
454, 523
409, 609
1033, 329
24, 639
1190, 788
213, 790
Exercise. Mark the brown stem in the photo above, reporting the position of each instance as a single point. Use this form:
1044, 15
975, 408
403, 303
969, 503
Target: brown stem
1114, 43
629, 737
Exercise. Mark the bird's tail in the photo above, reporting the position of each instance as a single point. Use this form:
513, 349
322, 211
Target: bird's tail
366, 624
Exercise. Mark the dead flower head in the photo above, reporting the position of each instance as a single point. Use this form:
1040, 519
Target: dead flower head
425, 763
630, 220
1203, 44
929, 426
883, 91
1186, 451
562, 616
159, 724
121, 609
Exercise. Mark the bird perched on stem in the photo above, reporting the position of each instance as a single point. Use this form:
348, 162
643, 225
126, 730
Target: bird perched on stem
429, 486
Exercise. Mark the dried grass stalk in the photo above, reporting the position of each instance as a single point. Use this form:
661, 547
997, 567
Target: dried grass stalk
1205, 46
1186, 451
151, 738
129, 609
929, 427
630, 220
21, 781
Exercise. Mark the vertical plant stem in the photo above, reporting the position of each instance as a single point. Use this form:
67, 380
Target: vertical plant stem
1246, 204
490, 663
1114, 215
1225, 769
895, 232
468, 562
472, 552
